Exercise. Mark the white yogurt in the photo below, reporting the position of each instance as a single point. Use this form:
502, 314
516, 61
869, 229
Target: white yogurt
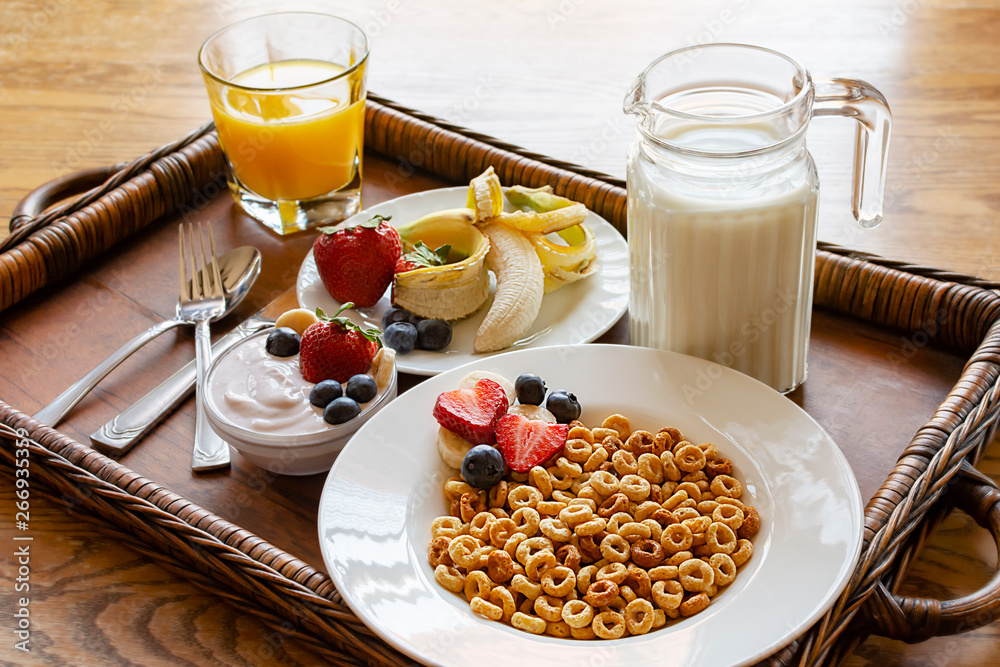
262, 393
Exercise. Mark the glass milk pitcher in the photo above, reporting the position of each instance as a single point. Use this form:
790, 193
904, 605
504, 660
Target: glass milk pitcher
722, 200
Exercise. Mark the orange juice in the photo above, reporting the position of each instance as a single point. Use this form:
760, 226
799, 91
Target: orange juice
287, 141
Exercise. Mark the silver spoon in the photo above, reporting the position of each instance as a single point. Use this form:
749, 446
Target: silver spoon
239, 268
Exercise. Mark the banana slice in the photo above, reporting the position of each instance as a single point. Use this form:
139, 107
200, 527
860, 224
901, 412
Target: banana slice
382, 365
472, 378
452, 447
520, 286
532, 412
298, 320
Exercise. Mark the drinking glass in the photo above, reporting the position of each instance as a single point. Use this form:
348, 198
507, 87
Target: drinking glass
287, 92
722, 202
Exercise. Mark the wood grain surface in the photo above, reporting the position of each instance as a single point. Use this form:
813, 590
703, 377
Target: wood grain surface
94, 82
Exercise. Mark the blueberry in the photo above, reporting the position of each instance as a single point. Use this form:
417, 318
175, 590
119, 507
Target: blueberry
433, 334
341, 410
282, 342
325, 392
362, 388
530, 389
564, 406
400, 336
482, 466
397, 314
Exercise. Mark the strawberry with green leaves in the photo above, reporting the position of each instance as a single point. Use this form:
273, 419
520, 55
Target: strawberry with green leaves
357, 262
336, 348
422, 257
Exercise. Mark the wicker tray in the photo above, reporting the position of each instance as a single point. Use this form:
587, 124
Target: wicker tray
934, 474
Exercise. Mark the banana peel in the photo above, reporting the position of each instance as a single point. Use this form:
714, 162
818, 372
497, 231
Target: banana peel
453, 290
532, 222
486, 195
566, 263
540, 200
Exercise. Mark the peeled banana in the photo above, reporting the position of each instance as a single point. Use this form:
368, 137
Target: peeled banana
520, 286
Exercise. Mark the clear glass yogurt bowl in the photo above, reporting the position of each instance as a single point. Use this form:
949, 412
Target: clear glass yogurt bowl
259, 404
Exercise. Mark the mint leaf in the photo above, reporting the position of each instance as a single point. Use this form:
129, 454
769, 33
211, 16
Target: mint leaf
422, 255
347, 325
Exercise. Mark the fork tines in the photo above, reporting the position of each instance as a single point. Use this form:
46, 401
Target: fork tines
206, 281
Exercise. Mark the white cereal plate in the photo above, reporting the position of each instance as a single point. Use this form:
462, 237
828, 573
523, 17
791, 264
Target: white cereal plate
386, 488
578, 313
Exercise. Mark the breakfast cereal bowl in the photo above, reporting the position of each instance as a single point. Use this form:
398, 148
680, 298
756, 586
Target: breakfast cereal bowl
260, 405
375, 521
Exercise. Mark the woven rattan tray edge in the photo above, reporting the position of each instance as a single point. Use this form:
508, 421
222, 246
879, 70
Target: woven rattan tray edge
276, 580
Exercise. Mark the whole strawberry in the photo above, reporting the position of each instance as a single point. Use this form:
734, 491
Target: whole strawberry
336, 349
357, 262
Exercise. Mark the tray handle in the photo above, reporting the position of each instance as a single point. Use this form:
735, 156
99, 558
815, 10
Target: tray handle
35, 202
914, 619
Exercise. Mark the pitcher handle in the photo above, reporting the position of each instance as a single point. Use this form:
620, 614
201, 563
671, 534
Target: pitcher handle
864, 103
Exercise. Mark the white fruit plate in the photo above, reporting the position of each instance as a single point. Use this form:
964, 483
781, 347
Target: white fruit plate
578, 313
386, 488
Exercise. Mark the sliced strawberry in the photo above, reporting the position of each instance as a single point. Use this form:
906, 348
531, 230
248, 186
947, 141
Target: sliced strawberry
472, 413
526, 443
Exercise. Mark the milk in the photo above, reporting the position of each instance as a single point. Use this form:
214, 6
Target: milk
724, 274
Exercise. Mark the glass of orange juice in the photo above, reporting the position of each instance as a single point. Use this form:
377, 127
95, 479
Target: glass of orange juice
287, 92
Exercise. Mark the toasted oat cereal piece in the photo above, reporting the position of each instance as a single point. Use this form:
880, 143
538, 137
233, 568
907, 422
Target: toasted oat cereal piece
751, 523
694, 604
639, 616
601, 433
449, 578
532, 624
619, 424
608, 625
486, 608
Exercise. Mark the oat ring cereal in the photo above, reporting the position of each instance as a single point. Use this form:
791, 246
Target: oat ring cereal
618, 533
616, 572
601, 593
609, 625
639, 616
524, 496
676, 537
577, 613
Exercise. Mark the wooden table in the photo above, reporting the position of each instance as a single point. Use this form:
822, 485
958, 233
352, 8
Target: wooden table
97, 82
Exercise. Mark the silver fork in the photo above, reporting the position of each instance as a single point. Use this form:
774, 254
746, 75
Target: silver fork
202, 300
